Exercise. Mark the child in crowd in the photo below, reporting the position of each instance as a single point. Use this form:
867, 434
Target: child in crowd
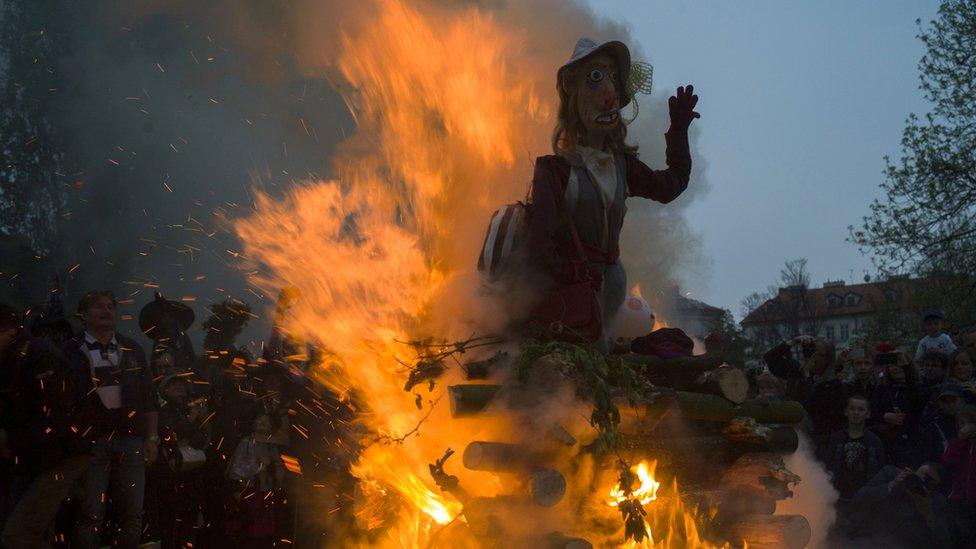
259, 471
935, 339
854, 454
961, 372
960, 460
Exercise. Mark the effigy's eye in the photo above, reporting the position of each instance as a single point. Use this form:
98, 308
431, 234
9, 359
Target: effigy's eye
595, 76
613, 76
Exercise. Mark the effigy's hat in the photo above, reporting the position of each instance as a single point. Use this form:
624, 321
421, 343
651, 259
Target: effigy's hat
618, 51
152, 314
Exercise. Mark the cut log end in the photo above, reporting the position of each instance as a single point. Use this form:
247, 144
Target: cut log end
548, 487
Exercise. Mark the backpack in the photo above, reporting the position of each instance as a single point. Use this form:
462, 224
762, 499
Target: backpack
506, 234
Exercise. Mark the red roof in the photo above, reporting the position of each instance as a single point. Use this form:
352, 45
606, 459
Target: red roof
830, 301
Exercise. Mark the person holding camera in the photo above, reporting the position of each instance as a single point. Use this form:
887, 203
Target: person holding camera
901, 507
813, 383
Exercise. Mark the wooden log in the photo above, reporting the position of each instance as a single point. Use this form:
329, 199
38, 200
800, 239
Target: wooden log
496, 456
548, 487
470, 400
675, 366
730, 383
770, 531
713, 408
749, 433
762, 473
482, 369
558, 540
710, 408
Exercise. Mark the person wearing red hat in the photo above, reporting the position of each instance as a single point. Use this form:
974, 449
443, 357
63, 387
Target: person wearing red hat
579, 192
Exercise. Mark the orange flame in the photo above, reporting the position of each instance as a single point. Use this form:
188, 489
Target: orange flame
380, 255
677, 524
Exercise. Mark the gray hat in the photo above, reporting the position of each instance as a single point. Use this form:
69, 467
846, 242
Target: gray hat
586, 47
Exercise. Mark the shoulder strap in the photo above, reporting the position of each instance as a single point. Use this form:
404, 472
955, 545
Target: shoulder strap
560, 192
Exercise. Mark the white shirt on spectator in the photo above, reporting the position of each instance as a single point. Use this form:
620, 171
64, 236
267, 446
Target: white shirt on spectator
104, 362
940, 344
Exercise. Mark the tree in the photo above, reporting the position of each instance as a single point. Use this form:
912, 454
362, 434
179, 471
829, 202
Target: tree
31, 197
780, 311
926, 222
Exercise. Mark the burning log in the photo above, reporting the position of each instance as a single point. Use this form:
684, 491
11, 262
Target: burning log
558, 540
496, 456
470, 400
760, 473
771, 531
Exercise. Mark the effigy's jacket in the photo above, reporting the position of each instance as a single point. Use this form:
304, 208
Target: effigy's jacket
598, 221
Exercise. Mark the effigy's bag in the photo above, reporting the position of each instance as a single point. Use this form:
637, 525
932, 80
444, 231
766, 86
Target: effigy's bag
506, 234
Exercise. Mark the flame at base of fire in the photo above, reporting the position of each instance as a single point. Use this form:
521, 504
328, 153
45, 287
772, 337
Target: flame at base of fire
675, 524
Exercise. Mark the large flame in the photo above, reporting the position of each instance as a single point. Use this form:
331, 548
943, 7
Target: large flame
443, 114
675, 524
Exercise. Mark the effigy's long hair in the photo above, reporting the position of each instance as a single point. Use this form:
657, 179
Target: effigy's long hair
569, 124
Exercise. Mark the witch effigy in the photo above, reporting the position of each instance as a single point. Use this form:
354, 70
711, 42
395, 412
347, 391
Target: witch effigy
571, 227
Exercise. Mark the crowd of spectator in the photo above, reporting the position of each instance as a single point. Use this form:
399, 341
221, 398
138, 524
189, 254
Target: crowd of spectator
102, 443
896, 430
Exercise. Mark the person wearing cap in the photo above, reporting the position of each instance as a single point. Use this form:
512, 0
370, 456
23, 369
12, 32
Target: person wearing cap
165, 322
123, 418
935, 339
594, 170
942, 427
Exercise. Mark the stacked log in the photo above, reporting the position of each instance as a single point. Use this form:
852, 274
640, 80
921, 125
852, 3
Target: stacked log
740, 442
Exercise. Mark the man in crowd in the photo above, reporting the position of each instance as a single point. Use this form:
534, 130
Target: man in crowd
854, 454
942, 428
901, 508
38, 398
124, 416
960, 461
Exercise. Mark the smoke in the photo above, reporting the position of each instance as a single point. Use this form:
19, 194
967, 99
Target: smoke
814, 497
172, 112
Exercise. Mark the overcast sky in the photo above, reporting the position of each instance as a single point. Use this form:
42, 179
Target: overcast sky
800, 101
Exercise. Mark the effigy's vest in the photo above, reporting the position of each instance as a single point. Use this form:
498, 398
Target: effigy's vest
599, 227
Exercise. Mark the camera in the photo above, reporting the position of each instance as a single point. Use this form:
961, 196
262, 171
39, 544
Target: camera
915, 484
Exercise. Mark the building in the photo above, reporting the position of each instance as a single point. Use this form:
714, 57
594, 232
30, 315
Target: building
696, 318
837, 311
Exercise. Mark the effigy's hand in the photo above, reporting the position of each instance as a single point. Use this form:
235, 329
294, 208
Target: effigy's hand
681, 107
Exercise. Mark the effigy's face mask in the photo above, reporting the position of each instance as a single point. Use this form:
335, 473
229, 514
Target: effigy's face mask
598, 96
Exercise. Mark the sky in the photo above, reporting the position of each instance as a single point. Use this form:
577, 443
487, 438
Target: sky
800, 102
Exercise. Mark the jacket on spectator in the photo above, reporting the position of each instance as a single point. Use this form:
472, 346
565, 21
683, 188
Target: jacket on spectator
900, 440
39, 402
935, 437
890, 518
137, 388
960, 460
